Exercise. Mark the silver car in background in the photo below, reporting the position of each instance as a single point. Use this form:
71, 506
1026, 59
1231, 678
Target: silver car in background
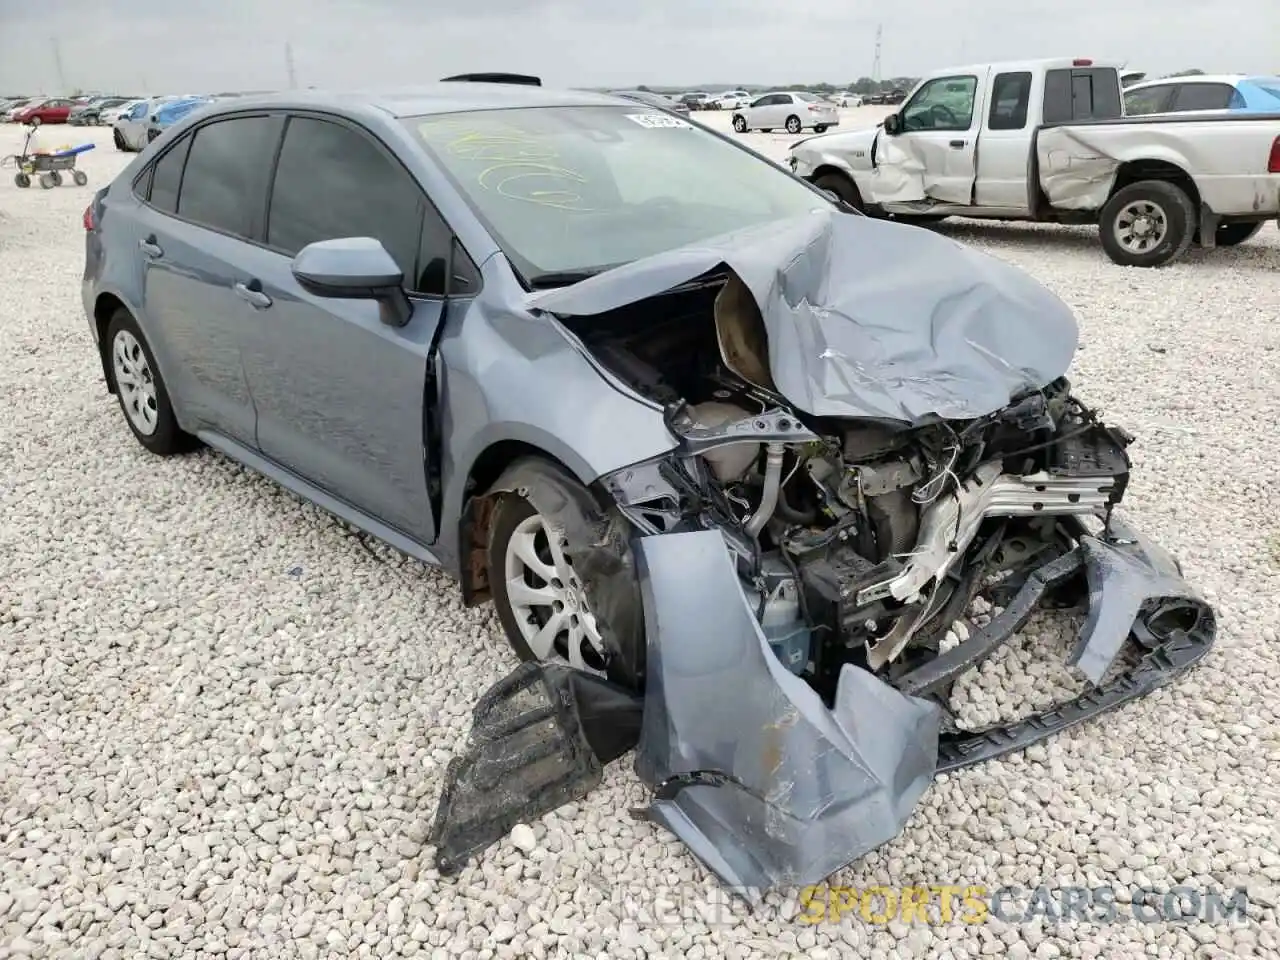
788, 110
130, 128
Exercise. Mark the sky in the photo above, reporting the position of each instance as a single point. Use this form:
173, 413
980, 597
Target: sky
211, 45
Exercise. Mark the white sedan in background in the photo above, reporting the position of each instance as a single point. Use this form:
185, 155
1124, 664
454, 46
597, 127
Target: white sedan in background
130, 129
787, 110
109, 116
729, 100
848, 100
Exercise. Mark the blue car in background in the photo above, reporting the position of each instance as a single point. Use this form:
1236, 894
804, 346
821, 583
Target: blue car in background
1203, 92
171, 113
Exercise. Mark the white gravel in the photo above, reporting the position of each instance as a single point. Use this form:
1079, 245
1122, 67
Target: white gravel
223, 722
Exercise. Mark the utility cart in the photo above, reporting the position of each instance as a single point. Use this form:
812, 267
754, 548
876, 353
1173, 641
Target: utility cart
47, 168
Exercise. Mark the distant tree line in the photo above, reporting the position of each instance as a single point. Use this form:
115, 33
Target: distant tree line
863, 85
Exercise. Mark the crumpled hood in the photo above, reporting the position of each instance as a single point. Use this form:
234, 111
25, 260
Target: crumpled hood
868, 318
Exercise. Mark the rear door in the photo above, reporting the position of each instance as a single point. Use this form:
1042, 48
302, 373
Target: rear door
204, 202
1004, 157
340, 394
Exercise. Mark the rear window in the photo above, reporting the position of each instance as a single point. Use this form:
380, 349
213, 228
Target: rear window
222, 182
1081, 94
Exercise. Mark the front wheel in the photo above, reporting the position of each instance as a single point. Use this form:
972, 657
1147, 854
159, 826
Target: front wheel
740, 123
119, 141
562, 592
842, 187
793, 124
21, 180
1147, 224
820, 128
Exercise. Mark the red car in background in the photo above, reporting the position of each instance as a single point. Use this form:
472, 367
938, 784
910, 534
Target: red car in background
54, 110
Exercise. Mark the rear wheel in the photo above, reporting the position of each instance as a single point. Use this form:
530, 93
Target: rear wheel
1147, 224
793, 124
56, 177
144, 400
21, 180
80, 177
46, 181
820, 128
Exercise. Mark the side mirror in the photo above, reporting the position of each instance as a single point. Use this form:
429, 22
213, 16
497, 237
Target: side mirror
893, 124
354, 268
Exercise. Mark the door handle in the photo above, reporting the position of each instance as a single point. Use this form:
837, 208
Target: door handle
957, 144
150, 247
252, 294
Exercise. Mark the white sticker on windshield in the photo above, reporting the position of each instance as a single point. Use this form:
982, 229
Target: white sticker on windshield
656, 121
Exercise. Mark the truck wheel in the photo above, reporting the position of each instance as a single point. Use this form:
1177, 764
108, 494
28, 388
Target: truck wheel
1234, 234
793, 124
842, 187
1147, 224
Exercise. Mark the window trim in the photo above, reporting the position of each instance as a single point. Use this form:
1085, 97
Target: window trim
925, 86
425, 203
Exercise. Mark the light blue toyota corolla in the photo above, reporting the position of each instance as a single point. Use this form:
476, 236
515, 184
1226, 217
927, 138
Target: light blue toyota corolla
728, 457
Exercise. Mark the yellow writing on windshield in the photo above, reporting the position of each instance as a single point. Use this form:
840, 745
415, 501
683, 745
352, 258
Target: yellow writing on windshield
514, 163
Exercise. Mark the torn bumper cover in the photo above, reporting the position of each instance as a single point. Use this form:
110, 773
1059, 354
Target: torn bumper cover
764, 782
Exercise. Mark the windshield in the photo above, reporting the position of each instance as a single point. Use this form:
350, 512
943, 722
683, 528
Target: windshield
576, 190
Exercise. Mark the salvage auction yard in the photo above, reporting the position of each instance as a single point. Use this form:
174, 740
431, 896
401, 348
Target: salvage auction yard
225, 716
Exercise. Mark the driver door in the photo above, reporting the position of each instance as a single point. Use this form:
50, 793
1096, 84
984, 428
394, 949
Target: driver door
933, 157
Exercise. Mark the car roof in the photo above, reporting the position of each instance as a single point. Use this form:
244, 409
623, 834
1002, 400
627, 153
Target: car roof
1231, 79
447, 97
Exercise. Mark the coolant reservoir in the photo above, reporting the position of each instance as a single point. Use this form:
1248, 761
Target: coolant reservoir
727, 463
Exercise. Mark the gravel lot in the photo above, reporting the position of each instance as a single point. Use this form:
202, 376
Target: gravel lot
223, 720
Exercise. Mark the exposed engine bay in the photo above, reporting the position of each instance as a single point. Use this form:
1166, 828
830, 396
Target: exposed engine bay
859, 541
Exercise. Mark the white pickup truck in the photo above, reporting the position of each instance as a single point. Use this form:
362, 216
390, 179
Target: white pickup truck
1047, 140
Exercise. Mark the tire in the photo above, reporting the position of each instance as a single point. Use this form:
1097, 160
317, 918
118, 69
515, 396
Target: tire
56, 177
819, 128
21, 180
766, 129
80, 177
740, 123
160, 432
46, 181
622, 640
1157, 205
793, 124
842, 187
1234, 234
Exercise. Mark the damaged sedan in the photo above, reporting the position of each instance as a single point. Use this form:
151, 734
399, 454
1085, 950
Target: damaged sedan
728, 457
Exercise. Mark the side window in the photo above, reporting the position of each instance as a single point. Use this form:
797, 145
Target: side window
222, 183
1010, 95
1148, 100
1203, 96
166, 176
762, 102
333, 182
138, 112
944, 103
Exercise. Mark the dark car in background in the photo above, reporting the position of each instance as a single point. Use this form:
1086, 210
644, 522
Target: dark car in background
90, 113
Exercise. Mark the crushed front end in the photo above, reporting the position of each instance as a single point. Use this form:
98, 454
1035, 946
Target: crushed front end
803, 551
